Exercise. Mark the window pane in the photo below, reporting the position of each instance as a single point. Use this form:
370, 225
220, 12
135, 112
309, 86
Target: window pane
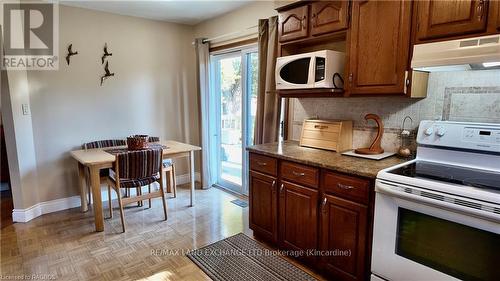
230, 99
253, 80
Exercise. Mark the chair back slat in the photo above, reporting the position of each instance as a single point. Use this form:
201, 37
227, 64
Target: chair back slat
153, 139
103, 144
139, 164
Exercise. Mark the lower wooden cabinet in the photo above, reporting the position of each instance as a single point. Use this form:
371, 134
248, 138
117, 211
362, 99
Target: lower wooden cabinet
263, 206
329, 215
344, 231
298, 217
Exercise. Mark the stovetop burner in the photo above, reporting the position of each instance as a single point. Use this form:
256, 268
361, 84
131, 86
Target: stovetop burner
450, 173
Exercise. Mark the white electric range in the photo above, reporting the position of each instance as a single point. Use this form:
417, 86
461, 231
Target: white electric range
438, 217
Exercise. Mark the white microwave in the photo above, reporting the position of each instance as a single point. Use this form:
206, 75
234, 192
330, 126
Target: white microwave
320, 69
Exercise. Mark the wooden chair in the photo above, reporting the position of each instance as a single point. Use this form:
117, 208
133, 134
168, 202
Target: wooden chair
104, 173
168, 168
135, 169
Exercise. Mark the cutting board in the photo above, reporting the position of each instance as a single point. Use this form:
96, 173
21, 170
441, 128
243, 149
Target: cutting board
369, 156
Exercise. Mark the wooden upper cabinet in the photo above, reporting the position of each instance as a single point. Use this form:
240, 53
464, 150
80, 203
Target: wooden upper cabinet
298, 216
293, 24
343, 227
329, 16
379, 45
439, 19
263, 206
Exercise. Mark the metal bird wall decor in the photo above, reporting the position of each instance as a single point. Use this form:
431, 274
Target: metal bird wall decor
70, 53
106, 53
107, 73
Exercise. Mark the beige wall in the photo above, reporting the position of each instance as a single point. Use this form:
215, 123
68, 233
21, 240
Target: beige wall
238, 20
152, 91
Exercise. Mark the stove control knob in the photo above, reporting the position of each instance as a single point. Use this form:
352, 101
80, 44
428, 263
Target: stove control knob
440, 132
429, 131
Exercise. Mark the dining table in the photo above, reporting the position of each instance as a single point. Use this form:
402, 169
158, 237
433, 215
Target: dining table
97, 159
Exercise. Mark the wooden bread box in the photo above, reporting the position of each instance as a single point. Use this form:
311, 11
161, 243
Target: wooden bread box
333, 135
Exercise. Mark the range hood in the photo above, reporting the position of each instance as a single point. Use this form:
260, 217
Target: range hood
457, 55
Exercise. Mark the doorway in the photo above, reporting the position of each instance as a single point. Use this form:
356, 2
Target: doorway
234, 90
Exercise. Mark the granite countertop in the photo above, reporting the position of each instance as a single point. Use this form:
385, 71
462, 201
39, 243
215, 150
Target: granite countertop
290, 150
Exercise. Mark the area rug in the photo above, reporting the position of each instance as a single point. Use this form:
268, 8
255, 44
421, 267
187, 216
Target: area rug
241, 258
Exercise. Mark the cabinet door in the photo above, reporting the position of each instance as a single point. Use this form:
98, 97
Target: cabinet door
293, 24
494, 16
298, 216
263, 206
438, 19
329, 16
379, 45
343, 228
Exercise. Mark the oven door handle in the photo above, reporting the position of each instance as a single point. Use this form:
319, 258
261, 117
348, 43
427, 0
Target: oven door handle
448, 201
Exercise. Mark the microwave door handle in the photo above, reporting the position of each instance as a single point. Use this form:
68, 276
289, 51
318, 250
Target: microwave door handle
312, 68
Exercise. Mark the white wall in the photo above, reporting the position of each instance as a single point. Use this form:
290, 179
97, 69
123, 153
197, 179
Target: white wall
152, 92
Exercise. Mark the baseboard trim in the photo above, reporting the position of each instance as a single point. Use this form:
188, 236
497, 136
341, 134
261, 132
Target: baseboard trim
25, 215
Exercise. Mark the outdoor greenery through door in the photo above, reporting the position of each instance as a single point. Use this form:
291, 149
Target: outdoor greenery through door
234, 92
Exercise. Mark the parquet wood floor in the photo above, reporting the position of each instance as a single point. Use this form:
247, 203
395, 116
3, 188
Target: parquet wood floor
64, 246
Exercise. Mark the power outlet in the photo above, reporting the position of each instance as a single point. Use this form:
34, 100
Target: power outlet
26, 109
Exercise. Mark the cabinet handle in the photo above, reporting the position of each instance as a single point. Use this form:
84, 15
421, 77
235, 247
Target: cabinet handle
480, 8
298, 174
282, 187
323, 204
350, 77
262, 163
303, 22
346, 187
273, 186
314, 20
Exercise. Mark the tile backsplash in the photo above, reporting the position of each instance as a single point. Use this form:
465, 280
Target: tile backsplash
457, 96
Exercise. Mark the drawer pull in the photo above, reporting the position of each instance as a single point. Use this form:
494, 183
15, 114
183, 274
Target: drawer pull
346, 187
262, 163
298, 174
323, 204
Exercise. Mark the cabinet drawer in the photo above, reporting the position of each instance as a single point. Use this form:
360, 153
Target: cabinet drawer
347, 187
263, 164
300, 174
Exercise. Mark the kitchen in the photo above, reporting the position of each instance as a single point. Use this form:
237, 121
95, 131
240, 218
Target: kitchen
255, 140
430, 71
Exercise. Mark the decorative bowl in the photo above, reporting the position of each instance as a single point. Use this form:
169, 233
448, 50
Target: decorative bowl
137, 142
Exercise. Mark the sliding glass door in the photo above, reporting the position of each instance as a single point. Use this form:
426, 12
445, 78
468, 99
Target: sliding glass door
234, 89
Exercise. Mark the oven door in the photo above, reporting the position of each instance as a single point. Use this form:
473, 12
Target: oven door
423, 240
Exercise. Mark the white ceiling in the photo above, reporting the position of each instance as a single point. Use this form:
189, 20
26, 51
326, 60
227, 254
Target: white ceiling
179, 11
